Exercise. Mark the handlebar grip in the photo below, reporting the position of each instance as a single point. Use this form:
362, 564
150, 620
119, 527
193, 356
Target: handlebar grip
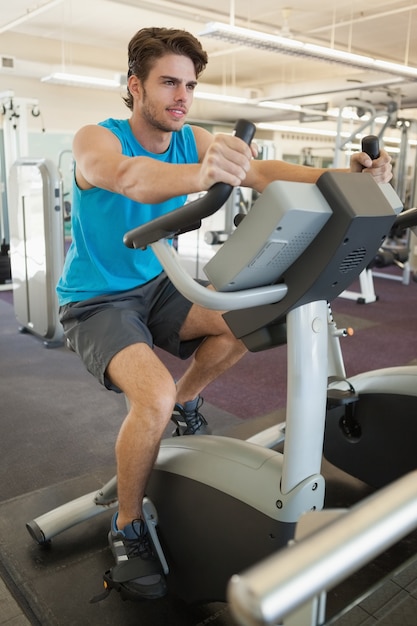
245, 130
370, 145
189, 216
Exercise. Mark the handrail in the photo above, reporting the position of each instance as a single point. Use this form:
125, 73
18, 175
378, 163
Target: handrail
406, 219
284, 581
209, 298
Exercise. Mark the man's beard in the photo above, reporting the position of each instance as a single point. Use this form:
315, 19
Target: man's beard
150, 115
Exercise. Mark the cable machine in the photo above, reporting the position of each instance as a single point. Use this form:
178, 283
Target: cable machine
31, 224
13, 144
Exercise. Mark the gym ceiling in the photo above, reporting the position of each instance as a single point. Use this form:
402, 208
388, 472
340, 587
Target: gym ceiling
38, 37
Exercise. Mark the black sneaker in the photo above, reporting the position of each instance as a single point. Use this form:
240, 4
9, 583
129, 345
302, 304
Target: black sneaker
188, 419
138, 569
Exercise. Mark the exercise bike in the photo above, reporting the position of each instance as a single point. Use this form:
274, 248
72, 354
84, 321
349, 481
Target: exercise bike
216, 505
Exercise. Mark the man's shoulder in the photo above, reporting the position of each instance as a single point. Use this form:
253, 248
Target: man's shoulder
115, 124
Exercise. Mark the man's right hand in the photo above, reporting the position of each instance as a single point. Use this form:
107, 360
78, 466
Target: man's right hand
227, 160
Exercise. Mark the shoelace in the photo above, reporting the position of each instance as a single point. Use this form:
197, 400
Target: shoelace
193, 419
141, 546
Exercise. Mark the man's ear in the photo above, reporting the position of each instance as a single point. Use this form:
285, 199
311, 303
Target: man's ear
134, 85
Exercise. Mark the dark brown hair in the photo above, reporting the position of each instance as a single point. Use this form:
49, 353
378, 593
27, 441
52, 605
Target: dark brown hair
150, 44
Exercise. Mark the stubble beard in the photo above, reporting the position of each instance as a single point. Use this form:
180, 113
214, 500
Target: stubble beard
150, 114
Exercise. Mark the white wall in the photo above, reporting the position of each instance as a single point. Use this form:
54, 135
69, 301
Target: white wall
65, 109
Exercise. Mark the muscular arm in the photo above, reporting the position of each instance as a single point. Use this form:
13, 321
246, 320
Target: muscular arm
264, 172
100, 163
222, 158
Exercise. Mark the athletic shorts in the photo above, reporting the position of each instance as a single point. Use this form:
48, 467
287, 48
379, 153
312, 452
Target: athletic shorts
98, 328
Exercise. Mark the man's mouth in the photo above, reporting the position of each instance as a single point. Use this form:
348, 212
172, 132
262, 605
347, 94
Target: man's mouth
177, 112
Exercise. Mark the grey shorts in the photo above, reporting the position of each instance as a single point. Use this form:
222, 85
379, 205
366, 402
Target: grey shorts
100, 327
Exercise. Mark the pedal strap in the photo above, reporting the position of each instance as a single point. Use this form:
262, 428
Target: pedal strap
341, 379
134, 568
124, 572
108, 586
339, 397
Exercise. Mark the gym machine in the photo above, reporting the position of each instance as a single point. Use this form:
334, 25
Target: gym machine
291, 584
397, 249
13, 144
36, 214
31, 223
215, 504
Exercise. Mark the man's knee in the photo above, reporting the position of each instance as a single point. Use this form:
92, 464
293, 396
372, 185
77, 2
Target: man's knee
156, 395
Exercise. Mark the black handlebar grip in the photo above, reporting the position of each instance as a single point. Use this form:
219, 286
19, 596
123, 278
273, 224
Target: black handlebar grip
189, 216
370, 145
245, 130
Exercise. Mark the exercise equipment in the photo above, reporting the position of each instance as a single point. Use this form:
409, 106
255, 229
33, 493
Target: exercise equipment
220, 504
13, 144
396, 251
291, 584
361, 429
367, 294
5, 271
36, 246
370, 425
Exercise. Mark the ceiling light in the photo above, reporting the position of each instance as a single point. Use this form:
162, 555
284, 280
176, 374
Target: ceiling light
79, 80
272, 104
298, 129
29, 14
282, 106
284, 45
207, 95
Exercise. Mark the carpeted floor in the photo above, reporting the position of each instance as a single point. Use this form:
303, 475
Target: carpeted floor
58, 428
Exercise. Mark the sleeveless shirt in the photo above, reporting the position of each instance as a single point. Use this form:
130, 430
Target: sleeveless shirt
97, 262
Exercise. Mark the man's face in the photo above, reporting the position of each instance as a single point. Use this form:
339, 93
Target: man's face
167, 94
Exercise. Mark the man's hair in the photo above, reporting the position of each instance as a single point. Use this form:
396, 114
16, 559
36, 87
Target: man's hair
150, 44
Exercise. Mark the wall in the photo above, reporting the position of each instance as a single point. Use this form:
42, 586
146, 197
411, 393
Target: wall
65, 109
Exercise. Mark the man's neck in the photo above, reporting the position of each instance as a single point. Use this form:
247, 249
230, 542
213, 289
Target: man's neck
150, 138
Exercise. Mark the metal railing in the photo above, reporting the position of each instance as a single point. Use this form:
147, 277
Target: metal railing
280, 584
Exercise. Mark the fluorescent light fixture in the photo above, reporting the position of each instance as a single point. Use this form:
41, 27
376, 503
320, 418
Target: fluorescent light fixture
272, 104
282, 106
219, 97
283, 128
79, 80
284, 45
297, 108
29, 14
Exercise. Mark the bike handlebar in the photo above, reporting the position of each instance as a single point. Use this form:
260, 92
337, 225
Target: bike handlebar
189, 216
370, 145
405, 219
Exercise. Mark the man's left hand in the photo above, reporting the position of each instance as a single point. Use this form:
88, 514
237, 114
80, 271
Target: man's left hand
380, 168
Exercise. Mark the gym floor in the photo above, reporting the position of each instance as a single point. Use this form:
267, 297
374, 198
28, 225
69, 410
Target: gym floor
58, 436
10, 612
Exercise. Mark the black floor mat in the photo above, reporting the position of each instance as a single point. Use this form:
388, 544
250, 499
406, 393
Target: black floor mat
55, 583
59, 426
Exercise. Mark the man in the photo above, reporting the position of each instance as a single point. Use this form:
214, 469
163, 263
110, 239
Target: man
116, 304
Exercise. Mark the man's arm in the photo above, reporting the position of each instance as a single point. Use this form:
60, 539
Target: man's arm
100, 163
223, 158
264, 172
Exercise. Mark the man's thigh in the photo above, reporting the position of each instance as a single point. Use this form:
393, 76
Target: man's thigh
201, 322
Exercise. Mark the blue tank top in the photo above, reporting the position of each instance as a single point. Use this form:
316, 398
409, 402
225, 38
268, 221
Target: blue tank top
97, 261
